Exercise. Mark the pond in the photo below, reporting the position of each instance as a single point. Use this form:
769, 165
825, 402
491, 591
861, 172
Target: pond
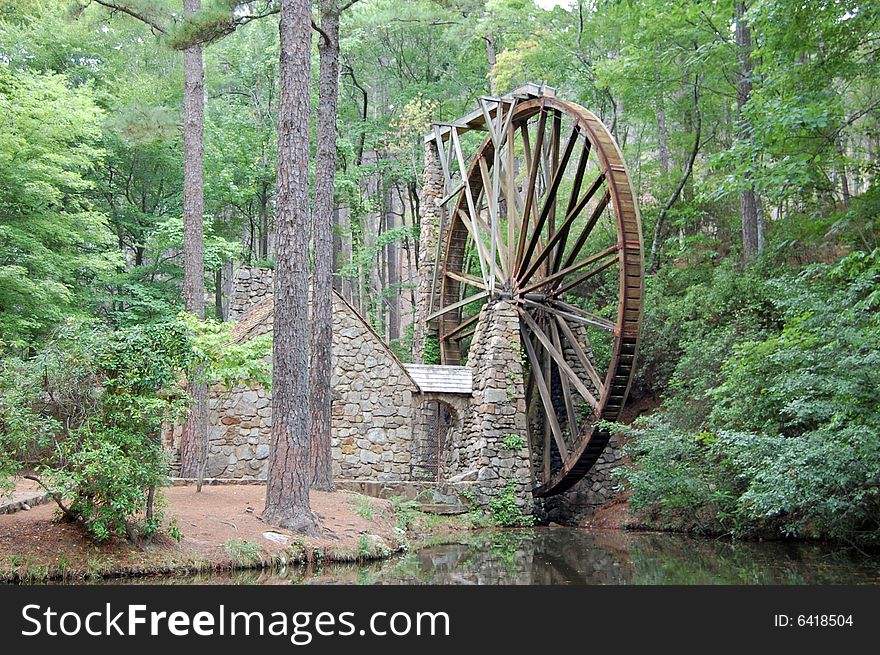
569, 556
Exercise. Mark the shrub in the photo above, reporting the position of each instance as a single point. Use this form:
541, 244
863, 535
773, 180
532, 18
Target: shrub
785, 439
91, 405
505, 512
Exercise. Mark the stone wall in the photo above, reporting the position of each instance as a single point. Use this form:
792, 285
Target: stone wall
251, 286
497, 411
373, 399
372, 404
595, 489
430, 221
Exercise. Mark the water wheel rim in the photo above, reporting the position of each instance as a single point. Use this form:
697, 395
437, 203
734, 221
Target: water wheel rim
588, 446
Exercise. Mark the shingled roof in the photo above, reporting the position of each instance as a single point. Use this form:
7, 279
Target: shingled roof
442, 379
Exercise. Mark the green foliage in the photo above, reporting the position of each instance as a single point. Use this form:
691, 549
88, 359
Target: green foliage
52, 241
513, 441
363, 507
505, 512
90, 405
431, 350
108, 394
785, 440
243, 552
402, 347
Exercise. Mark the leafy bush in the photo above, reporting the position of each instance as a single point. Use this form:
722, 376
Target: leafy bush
505, 512
90, 407
513, 441
786, 441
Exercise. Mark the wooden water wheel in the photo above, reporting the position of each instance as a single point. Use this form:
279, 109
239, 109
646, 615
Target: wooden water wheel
544, 215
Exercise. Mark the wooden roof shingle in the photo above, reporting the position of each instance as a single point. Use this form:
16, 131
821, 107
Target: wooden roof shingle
442, 379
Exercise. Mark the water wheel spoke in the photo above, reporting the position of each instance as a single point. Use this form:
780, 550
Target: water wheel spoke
461, 326
584, 276
544, 393
582, 317
532, 164
479, 244
585, 362
499, 248
458, 305
466, 278
548, 380
557, 356
566, 389
578, 315
588, 228
469, 198
611, 253
549, 202
559, 239
573, 197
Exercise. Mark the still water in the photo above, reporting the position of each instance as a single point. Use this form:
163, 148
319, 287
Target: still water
574, 557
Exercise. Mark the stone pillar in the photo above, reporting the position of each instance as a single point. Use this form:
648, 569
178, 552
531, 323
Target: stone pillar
497, 415
251, 285
430, 232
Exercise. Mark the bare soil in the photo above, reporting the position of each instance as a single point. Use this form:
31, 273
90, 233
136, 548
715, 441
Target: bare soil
222, 529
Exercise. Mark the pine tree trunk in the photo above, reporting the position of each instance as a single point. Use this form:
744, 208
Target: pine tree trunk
194, 437
748, 204
322, 249
287, 490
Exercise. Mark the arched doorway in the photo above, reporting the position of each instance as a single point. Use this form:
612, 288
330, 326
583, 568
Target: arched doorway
436, 420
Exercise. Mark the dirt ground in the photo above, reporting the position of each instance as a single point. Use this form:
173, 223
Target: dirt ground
221, 527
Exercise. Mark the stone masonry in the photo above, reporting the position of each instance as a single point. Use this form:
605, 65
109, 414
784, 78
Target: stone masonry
431, 220
373, 398
497, 412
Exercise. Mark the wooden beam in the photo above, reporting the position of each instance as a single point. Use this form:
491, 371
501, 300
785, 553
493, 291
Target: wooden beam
533, 166
562, 234
573, 200
566, 390
550, 201
573, 283
591, 320
544, 392
588, 228
461, 326
467, 279
558, 275
472, 210
457, 305
592, 373
559, 358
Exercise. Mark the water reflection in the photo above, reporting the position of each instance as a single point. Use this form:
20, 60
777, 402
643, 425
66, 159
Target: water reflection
570, 556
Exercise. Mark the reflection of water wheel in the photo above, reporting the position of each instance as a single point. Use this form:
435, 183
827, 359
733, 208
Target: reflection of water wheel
547, 218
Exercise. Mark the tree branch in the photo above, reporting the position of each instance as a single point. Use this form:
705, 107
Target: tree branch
116, 7
54, 496
661, 219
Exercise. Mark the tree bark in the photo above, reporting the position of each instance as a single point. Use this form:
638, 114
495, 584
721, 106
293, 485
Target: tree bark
748, 203
287, 490
194, 437
322, 249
